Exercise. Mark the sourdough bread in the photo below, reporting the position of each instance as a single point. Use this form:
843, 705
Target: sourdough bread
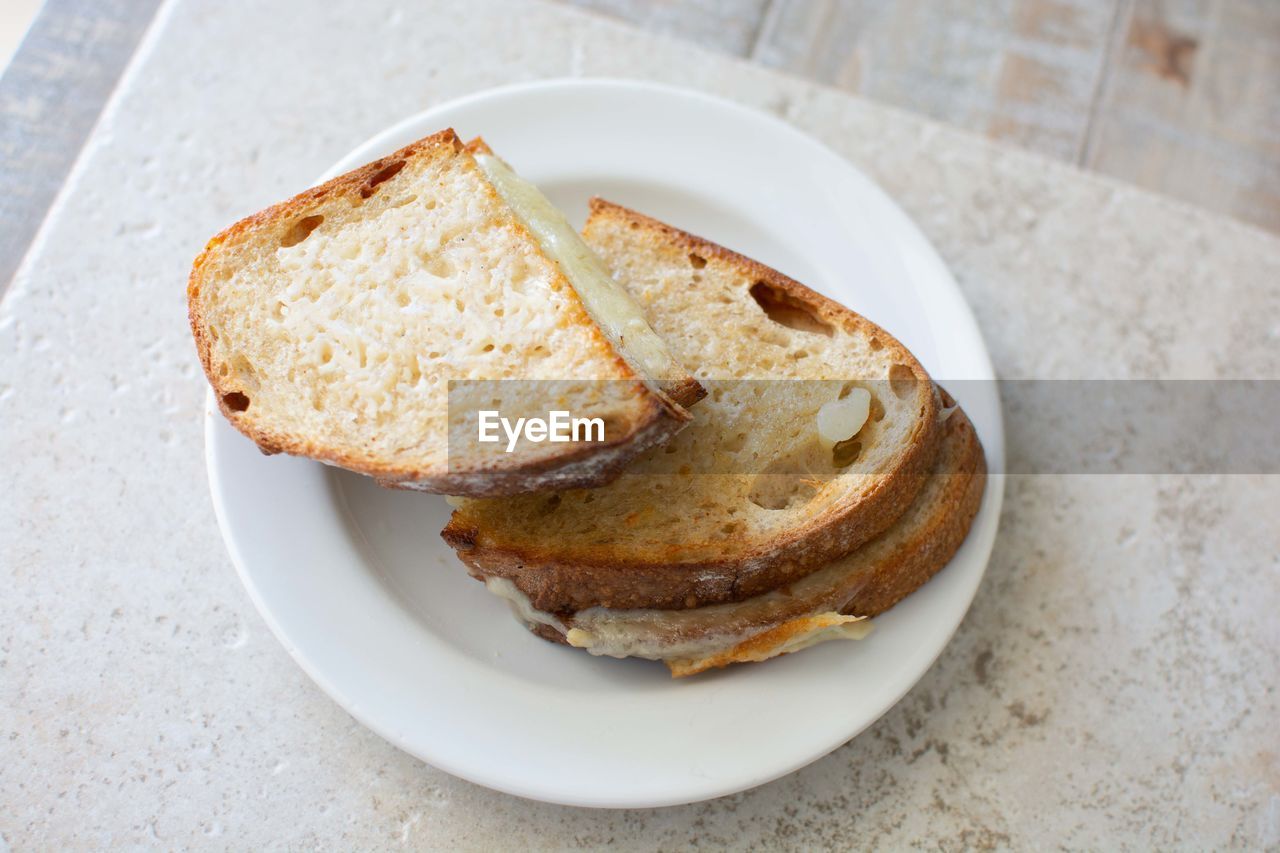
748, 498
333, 325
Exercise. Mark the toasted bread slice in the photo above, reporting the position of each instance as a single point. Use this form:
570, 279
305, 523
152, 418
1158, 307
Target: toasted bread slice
826, 604
747, 498
334, 324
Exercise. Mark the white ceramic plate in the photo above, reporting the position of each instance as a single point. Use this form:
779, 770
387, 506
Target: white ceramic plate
357, 584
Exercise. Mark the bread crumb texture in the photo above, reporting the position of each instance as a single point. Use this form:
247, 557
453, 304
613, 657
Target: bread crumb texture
332, 324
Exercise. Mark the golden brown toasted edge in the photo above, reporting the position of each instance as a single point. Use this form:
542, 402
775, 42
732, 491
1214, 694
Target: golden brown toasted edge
783, 639
876, 588
934, 546
891, 580
684, 391
579, 466
557, 582
479, 146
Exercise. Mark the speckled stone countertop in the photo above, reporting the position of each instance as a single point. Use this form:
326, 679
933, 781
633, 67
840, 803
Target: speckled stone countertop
1114, 683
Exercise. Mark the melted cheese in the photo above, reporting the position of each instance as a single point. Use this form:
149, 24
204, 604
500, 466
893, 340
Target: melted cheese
612, 636
792, 636
521, 607
608, 303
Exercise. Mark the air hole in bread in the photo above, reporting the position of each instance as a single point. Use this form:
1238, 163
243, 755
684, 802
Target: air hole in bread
402, 299
697, 261
876, 346
552, 504
440, 267
846, 452
326, 353
786, 310
901, 381
781, 491
772, 335
301, 230
244, 369
518, 275
235, 401
736, 443
384, 174
877, 409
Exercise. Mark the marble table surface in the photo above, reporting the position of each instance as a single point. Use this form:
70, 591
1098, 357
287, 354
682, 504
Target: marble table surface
1115, 683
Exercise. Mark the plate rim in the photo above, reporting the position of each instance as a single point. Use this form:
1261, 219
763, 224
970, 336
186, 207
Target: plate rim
988, 516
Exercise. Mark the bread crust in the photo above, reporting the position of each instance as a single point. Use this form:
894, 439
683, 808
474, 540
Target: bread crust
558, 581
579, 466
572, 466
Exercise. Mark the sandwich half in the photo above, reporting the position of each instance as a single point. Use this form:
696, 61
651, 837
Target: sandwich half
367, 321
831, 603
779, 519
819, 430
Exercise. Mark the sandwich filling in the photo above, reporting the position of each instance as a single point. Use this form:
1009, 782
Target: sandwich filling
608, 302
622, 634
